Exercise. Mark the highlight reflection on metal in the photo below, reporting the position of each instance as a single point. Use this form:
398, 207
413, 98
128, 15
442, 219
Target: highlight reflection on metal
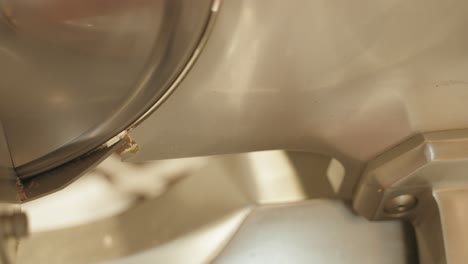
224, 212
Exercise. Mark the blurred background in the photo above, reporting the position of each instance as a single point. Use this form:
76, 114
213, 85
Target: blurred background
260, 207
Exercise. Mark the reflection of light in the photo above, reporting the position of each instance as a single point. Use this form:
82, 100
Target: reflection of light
241, 43
275, 178
199, 244
79, 24
57, 99
9, 53
108, 241
335, 174
88, 199
429, 152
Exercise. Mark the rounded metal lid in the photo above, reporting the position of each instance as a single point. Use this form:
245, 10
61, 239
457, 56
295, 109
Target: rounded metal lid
76, 74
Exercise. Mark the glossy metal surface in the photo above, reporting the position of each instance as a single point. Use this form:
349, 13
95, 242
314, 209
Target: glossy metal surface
423, 181
452, 205
344, 79
347, 79
264, 207
319, 231
75, 75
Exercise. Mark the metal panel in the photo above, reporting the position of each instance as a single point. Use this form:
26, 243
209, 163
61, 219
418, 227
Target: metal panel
347, 79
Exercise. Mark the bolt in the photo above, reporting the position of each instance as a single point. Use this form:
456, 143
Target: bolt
400, 204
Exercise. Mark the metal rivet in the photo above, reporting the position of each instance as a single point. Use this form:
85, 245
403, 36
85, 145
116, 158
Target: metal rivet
400, 204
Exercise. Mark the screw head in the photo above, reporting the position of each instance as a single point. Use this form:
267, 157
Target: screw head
400, 204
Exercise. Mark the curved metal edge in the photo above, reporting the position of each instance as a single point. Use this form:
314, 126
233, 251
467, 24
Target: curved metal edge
44, 163
214, 10
215, 5
64, 175
112, 143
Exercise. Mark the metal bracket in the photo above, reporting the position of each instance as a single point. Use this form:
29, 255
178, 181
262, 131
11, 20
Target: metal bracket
423, 180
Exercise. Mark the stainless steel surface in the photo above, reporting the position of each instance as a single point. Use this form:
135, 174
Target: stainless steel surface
75, 75
318, 231
263, 207
423, 180
428, 161
452, 205
347, 79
